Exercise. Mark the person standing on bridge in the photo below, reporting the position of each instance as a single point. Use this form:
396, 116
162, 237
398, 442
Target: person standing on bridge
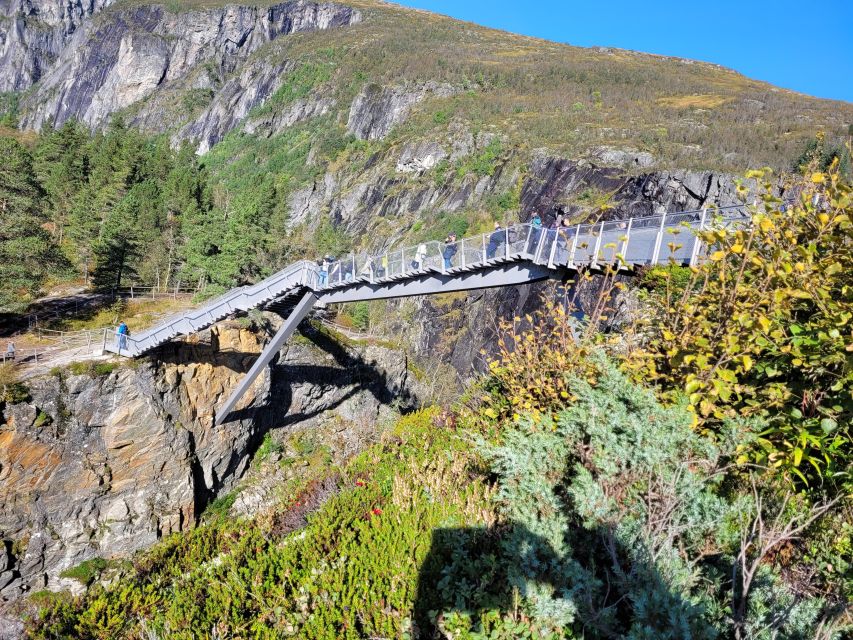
324, 272
10, 351
420, 257
495, 240
450, 250
121, 336
535, 233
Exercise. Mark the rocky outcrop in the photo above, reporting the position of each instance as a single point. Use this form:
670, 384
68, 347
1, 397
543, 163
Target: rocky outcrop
558, 185
625, 158
420, 157
105, 465
33, 33
230, 105
116, 61
377, 109
270, 124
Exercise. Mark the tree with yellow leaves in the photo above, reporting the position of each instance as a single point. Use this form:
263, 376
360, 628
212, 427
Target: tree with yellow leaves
765, 328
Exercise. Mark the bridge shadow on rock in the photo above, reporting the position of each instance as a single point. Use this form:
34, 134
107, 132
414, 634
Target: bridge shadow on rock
601, 587
352, 372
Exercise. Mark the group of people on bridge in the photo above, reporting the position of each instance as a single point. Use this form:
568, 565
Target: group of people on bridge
332, 269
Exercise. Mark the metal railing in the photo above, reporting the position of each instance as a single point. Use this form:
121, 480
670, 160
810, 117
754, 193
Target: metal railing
640, 241
637, 241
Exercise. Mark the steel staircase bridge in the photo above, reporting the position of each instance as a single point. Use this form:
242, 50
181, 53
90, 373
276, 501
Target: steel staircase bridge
513, 255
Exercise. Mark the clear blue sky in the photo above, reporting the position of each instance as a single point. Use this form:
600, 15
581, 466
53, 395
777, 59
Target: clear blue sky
804, 46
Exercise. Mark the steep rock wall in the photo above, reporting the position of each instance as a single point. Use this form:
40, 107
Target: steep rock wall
33, 35
105, 465
112, 63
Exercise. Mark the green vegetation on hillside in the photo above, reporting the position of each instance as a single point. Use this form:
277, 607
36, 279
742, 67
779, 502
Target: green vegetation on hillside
542, 94
562, 499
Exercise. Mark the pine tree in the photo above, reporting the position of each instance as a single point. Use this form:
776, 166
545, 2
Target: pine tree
117, 248
27, 255
61, 165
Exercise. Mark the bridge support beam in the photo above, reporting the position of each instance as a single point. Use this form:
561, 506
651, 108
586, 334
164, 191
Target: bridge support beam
485, 278
283, 335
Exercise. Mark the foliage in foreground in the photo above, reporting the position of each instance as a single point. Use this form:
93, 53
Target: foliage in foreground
605, 517
765, 328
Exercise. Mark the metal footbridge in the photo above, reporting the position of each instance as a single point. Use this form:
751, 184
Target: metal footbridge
508, 256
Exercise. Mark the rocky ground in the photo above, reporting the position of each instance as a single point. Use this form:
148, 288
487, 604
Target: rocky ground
102, 465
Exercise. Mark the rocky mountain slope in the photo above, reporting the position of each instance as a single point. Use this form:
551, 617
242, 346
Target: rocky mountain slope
105, 463
198, 69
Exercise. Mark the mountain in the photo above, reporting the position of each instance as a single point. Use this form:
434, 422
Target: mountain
368, 123
196, 70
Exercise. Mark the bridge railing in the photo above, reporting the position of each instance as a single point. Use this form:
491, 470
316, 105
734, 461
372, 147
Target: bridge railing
636, 241
434, 255
645, 240
298, 274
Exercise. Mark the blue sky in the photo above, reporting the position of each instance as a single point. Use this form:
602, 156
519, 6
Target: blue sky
804, 46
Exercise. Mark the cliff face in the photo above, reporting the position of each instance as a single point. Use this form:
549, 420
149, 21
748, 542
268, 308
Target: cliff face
105, 465
35, 33
112, 63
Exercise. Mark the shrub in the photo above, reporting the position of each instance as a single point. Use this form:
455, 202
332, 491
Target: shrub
91, 368
765, 328
484, 162
620, 523
268, 447
360, 314
11, 390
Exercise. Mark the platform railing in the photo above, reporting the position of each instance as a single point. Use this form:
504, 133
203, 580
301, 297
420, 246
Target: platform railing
639, 241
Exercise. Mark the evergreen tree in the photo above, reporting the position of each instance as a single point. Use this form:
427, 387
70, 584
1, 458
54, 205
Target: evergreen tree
27, 255
117, 249
61, 165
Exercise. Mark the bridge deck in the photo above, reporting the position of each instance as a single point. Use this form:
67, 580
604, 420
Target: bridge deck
517, 254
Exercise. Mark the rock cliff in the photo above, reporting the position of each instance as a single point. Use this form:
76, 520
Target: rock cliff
34, 34
123, 57
102, 465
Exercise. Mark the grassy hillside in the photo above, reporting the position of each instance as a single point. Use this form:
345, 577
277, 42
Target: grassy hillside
569, 99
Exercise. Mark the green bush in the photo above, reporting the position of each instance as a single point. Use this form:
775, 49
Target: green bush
359, 314
91, 368
483, 162
268, 447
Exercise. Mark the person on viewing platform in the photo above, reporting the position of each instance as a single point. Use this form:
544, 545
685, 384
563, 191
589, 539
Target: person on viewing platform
121, 335
495, 240
324, 272
535, 233
10, 351
450, 250
562, 227
420, 257
334, 269
558, 222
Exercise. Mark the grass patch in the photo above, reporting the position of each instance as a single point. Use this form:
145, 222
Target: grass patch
86, 572
268, 447
219, 508
89, 368
707, 101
